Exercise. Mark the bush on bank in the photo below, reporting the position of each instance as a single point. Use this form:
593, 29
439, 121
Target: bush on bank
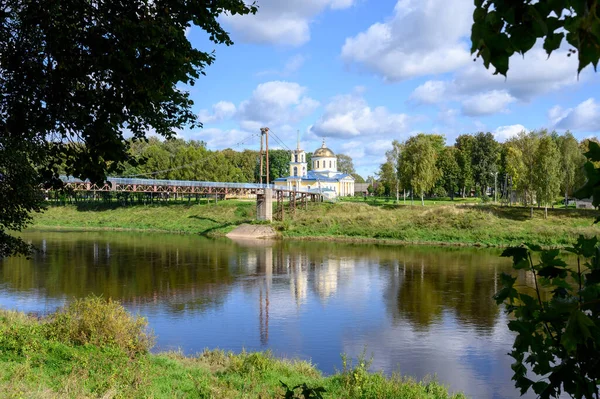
94, 348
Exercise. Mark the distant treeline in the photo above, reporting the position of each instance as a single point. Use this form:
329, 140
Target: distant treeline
190, 160
535, 167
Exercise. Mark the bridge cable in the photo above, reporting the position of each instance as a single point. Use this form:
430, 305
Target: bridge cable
279, 140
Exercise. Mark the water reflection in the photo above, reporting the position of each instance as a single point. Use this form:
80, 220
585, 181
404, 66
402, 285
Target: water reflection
417, 309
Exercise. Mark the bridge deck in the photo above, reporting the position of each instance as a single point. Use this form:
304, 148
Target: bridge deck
116, 184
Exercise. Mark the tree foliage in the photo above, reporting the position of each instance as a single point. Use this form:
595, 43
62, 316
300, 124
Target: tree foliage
558, 338
547, 170
418, 164
464, 145
558, 329
485, 154
503, 28
75, 75
390, 170
345, 164
449, 170
571, 163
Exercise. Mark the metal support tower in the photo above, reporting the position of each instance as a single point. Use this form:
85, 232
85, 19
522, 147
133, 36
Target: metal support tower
264, 154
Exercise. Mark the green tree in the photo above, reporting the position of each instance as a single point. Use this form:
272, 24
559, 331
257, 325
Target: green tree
503, 28
380, 189
485, 154
464, 145
84, 71
515, 167
386, 176
572, 161
418, 164
358, 178
547, 171
390, 170
279, 165
558, 339
449, 171
345, 164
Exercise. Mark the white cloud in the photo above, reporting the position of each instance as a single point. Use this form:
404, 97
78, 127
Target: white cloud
348, 116
431, 92
585, 117
418, 40
483, 93
281, 22
220, 111
277, 102
528, 76
487, 103
504, 133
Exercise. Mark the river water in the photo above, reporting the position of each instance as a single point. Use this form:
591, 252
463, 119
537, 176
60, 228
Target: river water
417, 310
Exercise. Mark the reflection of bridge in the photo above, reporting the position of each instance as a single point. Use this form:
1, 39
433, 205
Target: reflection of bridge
264, 192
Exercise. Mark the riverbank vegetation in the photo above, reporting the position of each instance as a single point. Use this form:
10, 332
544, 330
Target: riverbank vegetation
94, 348
467, 224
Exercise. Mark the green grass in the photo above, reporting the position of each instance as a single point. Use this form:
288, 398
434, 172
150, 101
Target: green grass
445, 224
486, 225
34, 363
204, 218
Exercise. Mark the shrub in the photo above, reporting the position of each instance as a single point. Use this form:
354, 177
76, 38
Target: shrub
100, 322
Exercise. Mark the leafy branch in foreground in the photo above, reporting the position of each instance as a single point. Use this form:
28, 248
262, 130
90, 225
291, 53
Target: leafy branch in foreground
502, 28
558, 339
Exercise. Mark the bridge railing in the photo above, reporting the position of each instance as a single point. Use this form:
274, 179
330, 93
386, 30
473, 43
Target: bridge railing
184, 183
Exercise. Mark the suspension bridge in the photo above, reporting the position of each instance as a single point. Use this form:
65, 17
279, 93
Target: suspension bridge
264, 193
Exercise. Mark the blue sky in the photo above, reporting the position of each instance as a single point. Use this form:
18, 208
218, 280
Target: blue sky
361, 73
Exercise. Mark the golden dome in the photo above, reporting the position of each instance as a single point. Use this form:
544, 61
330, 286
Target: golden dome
323, 151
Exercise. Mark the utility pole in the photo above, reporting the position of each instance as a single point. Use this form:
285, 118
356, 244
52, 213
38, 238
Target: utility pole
264, 137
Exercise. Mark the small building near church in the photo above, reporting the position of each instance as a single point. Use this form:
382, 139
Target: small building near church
323, 178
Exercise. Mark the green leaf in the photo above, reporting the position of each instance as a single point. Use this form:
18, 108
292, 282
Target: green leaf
518, 254
507, 292
522, 38
552, 42
577, 331
552, 272
533, 247
592, 278
500, 62
593, 153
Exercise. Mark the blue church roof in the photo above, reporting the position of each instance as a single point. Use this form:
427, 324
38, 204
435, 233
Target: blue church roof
315, 176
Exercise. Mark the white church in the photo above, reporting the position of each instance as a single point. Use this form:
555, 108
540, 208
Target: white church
323, 178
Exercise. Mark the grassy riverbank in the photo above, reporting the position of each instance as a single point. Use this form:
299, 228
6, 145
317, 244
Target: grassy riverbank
95, 349
486, 225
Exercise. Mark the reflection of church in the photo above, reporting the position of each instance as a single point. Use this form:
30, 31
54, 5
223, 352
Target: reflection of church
323, 178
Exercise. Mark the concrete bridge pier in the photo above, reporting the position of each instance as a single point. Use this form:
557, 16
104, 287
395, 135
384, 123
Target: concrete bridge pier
264, 205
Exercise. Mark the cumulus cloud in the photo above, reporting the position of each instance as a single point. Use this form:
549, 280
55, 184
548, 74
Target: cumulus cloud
487, 103
482, 93
585, 117
281, 22
277, 102
350, 115
418, 40
528, 76
220, 111
504, 133
431, 92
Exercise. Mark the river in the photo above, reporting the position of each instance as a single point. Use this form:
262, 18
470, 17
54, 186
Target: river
417, 310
